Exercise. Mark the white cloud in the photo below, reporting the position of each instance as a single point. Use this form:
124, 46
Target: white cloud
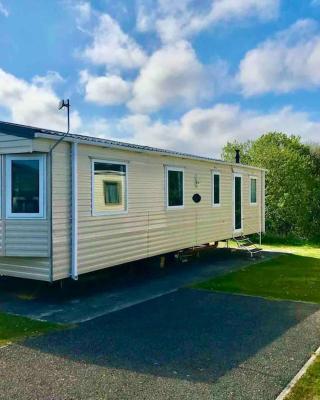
112, 47
83, 13
173, 75
48, 80
3, 10
83, 10
289, 61
105, 90
205, 131
176, 20
34, 103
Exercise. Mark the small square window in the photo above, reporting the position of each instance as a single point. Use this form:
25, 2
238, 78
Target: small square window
109, 191
112, 192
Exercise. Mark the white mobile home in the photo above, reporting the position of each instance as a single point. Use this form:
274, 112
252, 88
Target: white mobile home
94, 203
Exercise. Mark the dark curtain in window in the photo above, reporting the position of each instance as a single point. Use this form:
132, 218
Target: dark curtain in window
175, 188
237, 201
112, 193
216, 183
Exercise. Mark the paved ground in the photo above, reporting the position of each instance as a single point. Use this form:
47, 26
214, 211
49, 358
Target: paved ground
179, 344
185, 345
114, 289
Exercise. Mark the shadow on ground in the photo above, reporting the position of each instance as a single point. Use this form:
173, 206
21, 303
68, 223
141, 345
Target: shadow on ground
119, 276
112, 289
192, 335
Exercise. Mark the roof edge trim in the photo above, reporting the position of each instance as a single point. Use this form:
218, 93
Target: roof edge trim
127, 147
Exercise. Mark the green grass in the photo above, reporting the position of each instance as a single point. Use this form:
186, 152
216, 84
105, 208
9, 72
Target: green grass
308, 387
305, 251
308, 250
14, 328
290, 276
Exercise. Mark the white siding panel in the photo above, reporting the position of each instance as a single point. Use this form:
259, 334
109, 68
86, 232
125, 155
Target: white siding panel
27, 238
25, 267
61, 205
10, 144
149, 228
251, 213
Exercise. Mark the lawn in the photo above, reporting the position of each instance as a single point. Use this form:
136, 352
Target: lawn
308, 387
290, 276
14, 328
305, 251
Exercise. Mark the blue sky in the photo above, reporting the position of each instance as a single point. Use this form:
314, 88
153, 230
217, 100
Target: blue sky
185, 75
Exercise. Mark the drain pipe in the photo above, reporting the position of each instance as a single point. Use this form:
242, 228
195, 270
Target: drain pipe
74, 212
260, 209
74, 197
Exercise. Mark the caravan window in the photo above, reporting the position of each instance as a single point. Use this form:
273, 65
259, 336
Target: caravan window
109, 192
175, 187
112, 192
215, 188
253, 190
25, 183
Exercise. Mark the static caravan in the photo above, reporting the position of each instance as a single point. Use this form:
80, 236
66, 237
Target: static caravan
92, 203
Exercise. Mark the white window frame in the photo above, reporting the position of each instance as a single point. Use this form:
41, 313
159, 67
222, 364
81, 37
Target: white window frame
181, 169
42, 187
126, 197
213, 173
250, 179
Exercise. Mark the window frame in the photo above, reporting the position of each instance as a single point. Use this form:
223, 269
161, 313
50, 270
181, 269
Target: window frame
126, 197
42, 187
179, 169
213, 173
251, 178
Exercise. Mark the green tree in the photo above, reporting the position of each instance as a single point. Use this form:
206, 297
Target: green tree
292, 181
229, 151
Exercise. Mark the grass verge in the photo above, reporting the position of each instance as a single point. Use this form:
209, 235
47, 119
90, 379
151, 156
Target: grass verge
289, 277
308, 387
14, 328
294, 276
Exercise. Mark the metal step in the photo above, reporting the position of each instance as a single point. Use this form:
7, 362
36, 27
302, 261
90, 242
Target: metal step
244, 243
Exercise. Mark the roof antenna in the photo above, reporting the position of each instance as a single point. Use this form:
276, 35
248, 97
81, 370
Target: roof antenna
62, 104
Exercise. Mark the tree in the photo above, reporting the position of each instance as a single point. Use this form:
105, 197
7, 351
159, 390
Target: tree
229, 151
292, 181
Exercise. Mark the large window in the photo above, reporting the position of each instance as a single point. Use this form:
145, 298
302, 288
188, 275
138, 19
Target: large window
253, 190
175, 187
109, 191
25, 182
215, 188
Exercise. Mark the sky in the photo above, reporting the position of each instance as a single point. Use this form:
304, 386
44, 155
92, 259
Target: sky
187, 75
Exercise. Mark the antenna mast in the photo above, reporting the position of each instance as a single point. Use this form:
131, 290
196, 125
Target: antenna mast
62, 104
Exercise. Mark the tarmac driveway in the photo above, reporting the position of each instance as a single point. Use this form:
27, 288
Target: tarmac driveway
187, 344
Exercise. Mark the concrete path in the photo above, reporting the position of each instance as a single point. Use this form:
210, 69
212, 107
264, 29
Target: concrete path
184, 345
84, 300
